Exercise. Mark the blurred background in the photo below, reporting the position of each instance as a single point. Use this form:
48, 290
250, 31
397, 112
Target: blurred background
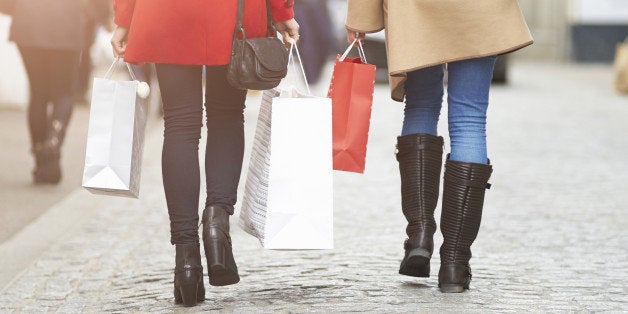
566, 31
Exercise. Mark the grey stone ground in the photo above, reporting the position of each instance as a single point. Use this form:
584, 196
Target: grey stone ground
553, 237
22, 201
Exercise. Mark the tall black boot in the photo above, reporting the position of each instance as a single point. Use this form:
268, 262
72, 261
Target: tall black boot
188, 275
463, 199
48, 155
221, 265
420, 159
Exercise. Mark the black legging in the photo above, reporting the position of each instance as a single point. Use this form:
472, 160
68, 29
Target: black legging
182, 96
52, 75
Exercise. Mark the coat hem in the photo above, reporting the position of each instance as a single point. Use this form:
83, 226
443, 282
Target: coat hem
363, 31
402, 73
135, 61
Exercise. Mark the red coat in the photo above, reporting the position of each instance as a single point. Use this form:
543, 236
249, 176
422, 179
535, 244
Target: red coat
195, 32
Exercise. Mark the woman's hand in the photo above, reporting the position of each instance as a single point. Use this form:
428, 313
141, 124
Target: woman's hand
352, 35
289, 30
118, 41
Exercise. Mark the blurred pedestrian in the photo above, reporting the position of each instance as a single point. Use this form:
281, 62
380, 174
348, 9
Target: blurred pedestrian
422, 39
6, 6
50, 35
98, 15
180, 37
317, 36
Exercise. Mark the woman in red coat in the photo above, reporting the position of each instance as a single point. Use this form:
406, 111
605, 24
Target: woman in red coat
181, 37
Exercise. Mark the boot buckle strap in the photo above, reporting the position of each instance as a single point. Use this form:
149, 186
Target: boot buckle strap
469, 183
421, 147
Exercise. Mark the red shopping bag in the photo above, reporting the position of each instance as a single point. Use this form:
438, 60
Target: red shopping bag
351, 91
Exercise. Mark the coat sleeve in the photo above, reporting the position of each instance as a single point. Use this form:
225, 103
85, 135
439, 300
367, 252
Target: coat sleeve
123, 12
365, 16
282, 9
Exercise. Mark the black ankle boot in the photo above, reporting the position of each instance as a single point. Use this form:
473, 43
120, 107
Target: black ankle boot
420, 159
221, 265
188, 275
48, 155
463, 199
47, 165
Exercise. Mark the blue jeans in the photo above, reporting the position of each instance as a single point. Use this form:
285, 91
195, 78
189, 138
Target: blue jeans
467, 99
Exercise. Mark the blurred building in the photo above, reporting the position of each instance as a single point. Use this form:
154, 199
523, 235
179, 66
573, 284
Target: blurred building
564, 30
578, 30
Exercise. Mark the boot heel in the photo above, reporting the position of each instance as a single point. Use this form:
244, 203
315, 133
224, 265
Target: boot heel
221, 264
188, 275
216, 257
416, 264
188, 293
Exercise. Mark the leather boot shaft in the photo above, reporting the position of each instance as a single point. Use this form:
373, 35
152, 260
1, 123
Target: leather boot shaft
463, 199
187, 256
216, 219
420, 158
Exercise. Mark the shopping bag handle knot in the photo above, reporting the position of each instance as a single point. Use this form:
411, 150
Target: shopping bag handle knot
113, 66
291, 62
360, 50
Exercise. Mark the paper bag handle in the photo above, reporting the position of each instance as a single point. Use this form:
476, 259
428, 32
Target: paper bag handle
113, 66
360, 50
291, 62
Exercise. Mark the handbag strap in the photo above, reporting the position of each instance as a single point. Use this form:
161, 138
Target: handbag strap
270, 27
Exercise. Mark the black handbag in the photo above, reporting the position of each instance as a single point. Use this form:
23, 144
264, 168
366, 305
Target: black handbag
256, 63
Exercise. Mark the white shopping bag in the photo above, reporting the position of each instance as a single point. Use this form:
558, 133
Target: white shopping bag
115, 137
288, 197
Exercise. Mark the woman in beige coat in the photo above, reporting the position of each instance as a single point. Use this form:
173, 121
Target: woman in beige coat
423, 37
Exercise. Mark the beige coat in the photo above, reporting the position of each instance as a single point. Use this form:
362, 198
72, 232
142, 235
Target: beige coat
423, 33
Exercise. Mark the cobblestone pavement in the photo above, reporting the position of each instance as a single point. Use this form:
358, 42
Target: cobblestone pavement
553, 237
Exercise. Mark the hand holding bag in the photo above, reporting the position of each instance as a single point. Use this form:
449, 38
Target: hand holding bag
351, 90
256, 63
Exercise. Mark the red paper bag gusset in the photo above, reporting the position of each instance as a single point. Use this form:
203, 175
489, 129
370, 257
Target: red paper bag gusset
351, 90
